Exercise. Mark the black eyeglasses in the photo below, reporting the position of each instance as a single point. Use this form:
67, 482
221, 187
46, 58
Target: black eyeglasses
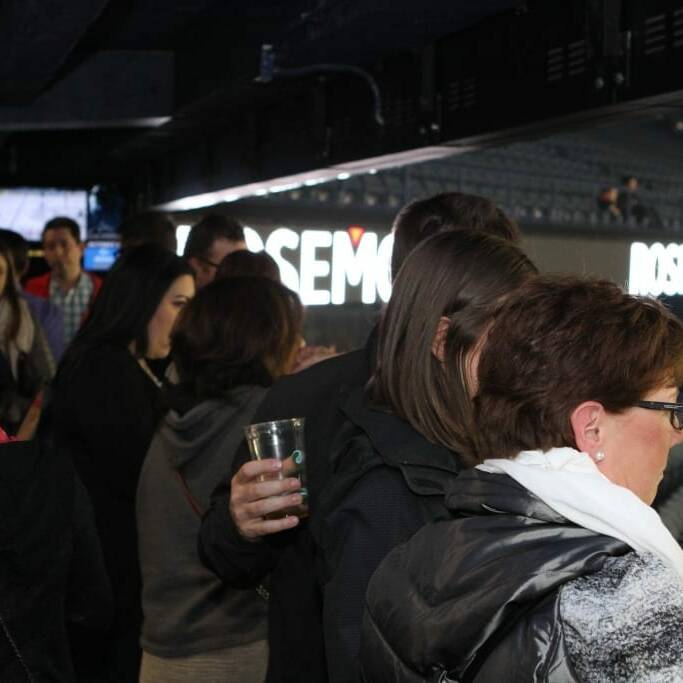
676, 410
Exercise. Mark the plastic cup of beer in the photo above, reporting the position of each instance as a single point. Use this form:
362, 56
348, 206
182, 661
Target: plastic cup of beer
281, 440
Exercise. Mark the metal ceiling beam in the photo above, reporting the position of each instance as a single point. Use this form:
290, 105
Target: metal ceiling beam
114, 89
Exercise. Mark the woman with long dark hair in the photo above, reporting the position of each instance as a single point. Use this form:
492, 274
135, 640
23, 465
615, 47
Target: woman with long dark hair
403, 440
106, 405
233, 340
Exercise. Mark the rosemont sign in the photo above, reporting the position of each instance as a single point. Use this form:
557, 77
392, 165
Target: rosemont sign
325, 266
656, 269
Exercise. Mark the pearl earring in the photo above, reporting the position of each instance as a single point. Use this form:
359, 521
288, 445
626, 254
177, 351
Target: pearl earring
599, 456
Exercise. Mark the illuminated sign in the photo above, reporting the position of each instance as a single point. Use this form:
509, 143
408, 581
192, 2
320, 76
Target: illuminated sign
322, 265
325, 267
656, 269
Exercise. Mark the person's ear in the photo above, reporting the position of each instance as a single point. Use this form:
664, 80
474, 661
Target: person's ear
587, 424
194, 263
439, 341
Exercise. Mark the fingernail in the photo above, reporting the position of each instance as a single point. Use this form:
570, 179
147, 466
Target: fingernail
277, 465
294, 484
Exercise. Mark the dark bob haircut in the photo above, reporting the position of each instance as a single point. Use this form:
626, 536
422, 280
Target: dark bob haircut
559, 341
127, 301
244, 263
236, 331
459, 276
422, 218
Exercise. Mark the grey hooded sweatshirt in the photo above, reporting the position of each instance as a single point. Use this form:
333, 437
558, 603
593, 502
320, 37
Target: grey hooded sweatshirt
187, 609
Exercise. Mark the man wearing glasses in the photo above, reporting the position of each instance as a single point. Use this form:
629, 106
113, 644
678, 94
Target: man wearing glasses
209, 242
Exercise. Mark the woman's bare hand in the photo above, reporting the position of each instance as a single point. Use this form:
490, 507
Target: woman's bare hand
257, 493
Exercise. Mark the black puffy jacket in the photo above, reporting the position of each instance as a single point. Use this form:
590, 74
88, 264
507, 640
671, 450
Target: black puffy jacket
388, 482
476, 598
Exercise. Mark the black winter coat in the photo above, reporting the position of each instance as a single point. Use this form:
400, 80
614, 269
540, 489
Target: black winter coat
52, 576
476, 598
373, 481
388, 482
295, 638
105, 412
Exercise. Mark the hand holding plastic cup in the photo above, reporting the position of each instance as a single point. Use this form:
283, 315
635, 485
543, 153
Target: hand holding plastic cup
281, 440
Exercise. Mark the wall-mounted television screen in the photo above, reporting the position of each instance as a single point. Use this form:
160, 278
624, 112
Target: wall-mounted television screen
26, 209
100, 254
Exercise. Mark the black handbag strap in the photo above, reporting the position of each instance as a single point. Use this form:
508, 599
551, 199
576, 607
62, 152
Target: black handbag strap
260, 589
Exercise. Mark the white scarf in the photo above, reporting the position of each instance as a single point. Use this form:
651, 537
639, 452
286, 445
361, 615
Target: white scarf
570, 483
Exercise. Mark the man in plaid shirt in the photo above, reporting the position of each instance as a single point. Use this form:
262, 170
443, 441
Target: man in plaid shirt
67, 285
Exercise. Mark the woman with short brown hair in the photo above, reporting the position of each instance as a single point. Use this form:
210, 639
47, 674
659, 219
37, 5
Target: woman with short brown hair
230, 343
243, 263
554, 566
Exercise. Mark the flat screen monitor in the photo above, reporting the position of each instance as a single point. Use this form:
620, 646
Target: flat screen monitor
26, 209
100, 254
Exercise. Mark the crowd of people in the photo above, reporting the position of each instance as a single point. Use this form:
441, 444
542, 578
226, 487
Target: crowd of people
479, 477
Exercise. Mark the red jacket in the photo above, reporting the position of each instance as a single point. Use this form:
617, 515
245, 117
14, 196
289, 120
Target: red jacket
40, 286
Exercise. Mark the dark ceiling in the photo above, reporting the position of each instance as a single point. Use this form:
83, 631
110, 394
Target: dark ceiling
160, 98
86, 83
